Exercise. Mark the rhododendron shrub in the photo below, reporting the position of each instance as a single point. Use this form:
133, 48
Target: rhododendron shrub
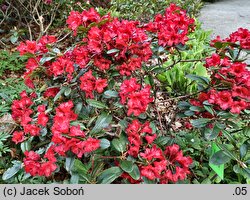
221, 109
88, 112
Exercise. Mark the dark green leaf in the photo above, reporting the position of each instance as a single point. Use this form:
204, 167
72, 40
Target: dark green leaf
109, 175
196, 108
243, 150
10, 172
219, 158
112, 51
110, 94
67, 91
104, 143
183, 105
212, 133
69, 163
209, 109
102, 122
79, 168
26, 146
96, 104
200, 79
45, 59
59, 94
189, 113
126, 165
199, 123
78, 108
119, 144
135, 174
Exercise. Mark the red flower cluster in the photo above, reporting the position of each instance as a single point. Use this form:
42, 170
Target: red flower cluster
36, 166
235, 76
70, 138
89, 84
34, 48
136, 132
169, 166
22, 113
172, 27
77, 19
137, 98
241, 37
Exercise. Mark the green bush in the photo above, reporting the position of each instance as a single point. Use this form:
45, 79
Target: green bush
145, 10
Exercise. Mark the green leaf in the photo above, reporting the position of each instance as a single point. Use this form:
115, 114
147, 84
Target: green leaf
200, 79
110, 94
109, 175
112, 51
59, 94
209, 109
79, 167
69, 163
126, 165
218, 169
135, 174
13, 39
212, 133
104, 144
199, 123
189, 113
96, 104
26, 146
45, 59
243, 150
196, 108
102, 122
67, 91
183, 105
119, 144
162, 141
219, 158
10, 172
78, 108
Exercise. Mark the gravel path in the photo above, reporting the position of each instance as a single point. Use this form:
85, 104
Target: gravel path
225, 16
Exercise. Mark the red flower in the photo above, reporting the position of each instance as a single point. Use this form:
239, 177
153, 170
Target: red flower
91, 144
27, 47
74, 20
18, 137
102, 63
100, 84
127, 87
238, 69
32, 129
153, 153
138, 101
224, 99
76, 131
149, 172
47, 168
88, 84
238, 106
51, 92
42, 119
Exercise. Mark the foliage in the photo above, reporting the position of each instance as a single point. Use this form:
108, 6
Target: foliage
221, 111
187, 60
10, 89
146, 10
90, 113
10, 61
87, 112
